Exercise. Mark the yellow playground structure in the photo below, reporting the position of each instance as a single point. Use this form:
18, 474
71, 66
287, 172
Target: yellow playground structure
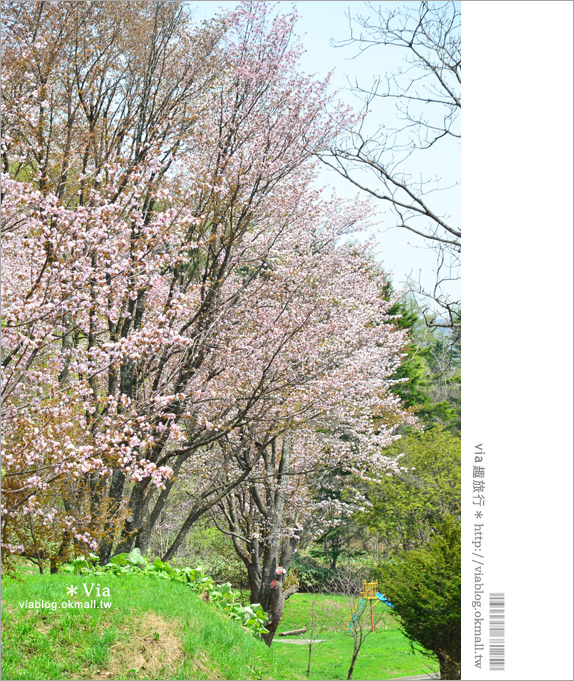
370, 592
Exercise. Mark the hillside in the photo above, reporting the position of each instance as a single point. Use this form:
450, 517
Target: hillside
152, 629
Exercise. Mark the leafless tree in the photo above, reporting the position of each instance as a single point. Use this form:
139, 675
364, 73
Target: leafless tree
355, 613
385, 161
314, 632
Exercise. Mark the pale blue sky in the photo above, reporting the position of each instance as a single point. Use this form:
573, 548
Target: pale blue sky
401, 253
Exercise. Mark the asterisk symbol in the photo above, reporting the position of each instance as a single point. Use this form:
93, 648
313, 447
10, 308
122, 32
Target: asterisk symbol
478, 514
72, 590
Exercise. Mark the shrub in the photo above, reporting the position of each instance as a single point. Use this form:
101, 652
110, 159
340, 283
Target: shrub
424, 587
315, 577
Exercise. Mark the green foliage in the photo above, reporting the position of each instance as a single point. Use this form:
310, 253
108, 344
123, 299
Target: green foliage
316, 577
23, 171
424, 587
80, 564
408, 506
253, 617
343, 542
430, 372
312, 575
205, 545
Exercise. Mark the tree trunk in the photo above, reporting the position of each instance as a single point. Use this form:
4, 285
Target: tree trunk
449, 668
178, 541
199, 509
263, 556
354, 659
115, 496
274, 608
144, 535
133, 526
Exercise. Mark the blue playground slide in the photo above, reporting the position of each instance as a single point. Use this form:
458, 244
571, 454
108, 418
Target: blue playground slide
384, 599
357, 610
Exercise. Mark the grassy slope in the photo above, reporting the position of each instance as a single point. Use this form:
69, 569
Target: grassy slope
155, 629
385, 654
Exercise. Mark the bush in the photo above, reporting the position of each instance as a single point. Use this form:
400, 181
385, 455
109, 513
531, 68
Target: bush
315, 577
424, 587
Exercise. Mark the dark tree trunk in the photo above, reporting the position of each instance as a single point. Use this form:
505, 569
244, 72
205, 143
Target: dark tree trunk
274, 609
134, 524
273, 600
178, 541
334, 560
144, 535
352, 667
115, 496
449, 668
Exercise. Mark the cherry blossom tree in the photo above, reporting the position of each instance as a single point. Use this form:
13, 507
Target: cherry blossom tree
178, 310
149, 170
85, 153
330, 422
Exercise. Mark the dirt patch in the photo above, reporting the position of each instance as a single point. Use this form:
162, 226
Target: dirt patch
43, 626
154, 643
298, 642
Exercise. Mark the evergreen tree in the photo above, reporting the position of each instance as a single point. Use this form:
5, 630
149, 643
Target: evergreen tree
424, 587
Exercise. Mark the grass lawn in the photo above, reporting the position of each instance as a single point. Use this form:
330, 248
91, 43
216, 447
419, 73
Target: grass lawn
159, 629
385, 654
154, 629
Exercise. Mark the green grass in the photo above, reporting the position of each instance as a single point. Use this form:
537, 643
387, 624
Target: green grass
159, 629
155, 629
385, 654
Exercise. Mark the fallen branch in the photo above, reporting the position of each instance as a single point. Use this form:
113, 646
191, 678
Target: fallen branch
293, 632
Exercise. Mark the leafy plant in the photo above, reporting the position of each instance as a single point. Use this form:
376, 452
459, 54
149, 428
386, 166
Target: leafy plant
80, 564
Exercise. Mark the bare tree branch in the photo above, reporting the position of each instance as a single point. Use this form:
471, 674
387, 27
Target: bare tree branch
384, 161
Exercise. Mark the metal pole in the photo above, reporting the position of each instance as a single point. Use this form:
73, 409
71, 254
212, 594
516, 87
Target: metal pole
372, 619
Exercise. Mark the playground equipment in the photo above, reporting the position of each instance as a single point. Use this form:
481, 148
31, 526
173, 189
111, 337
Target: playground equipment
369, 593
